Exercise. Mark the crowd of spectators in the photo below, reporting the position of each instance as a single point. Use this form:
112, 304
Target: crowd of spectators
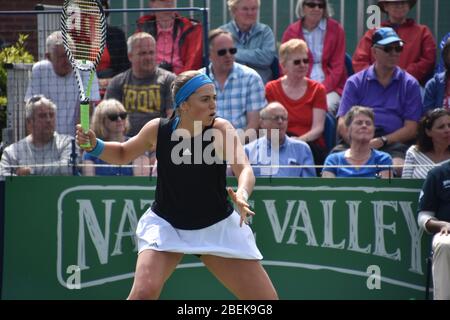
393, 111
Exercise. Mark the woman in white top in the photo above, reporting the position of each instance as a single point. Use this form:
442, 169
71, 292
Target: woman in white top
433, 145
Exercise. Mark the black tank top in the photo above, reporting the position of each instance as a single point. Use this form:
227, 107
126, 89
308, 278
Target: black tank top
189, 195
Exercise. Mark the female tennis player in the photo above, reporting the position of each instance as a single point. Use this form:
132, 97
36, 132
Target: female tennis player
191, 213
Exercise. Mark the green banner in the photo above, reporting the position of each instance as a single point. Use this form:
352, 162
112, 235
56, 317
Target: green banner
73, 238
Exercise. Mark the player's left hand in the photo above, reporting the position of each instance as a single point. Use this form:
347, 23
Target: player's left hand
242, 206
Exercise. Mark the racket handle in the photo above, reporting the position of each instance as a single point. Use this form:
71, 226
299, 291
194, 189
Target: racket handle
84, 118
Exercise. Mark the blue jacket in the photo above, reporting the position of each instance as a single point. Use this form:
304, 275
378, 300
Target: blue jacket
258, 52
435, 92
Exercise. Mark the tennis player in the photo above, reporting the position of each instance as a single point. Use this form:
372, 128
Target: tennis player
191, 213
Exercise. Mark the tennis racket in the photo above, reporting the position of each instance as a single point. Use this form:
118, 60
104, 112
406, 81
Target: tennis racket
83, 28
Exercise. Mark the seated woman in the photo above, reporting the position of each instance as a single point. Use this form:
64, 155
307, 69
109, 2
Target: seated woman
359, 160
326, 40
437, 89
110, 123
304, 99
433, 145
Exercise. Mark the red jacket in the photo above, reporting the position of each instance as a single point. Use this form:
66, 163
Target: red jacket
333, 55
418, 56
191, 41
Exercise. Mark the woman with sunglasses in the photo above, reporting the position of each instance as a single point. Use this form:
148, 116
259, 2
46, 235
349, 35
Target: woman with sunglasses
326, 42
191, 213
110, 123
303, 98
433, 145
419, 54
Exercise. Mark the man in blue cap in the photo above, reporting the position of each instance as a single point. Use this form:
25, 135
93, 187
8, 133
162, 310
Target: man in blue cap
392, 93
419, 55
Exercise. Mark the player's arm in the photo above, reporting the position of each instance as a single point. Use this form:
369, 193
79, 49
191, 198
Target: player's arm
234, 154
125, 152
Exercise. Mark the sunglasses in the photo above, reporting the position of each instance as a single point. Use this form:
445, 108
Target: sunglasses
298, 61
313, 5
223, 52
388, 49
116, 116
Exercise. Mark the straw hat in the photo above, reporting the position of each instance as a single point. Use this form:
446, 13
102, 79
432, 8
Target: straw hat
412, 3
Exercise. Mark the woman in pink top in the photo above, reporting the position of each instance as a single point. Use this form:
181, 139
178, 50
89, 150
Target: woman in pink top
303, 98
326, 42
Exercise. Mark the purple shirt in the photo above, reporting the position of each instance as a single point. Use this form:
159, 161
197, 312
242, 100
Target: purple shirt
399, 101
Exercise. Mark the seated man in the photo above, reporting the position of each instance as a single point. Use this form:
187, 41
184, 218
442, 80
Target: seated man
240, 89
114, 58
55, 79
179, 40
392, 93
254, 40
277, 149
434, 218
144, 89
43, 146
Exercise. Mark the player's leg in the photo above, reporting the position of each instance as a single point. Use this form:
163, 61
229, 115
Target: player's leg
246, 279
153, 268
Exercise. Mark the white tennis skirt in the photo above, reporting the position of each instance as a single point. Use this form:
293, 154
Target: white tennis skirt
224, 238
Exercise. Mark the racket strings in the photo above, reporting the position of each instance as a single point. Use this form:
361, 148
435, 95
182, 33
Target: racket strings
85, 30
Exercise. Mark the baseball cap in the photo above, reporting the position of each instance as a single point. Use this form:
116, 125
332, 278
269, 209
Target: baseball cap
384, 36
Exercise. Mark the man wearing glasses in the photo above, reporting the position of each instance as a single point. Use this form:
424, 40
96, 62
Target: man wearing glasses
276, 154
392, 93
240, 89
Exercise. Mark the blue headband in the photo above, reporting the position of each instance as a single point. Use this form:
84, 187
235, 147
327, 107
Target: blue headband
190, 87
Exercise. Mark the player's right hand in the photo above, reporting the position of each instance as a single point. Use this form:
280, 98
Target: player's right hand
82, 138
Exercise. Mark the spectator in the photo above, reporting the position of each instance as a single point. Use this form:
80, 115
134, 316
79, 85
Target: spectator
54, 78
44, 151
114, 58
326, 42
437, 90
240, 89
419, 54
110, 123
360, 160
440, 67
304, 99
434, 218
277, 149
392, 93
144, 89
433, 145
255, 41
179, 40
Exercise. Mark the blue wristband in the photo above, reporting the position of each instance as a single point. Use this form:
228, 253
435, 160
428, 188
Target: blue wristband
97, 151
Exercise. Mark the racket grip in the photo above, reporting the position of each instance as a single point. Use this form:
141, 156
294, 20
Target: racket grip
84, 118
